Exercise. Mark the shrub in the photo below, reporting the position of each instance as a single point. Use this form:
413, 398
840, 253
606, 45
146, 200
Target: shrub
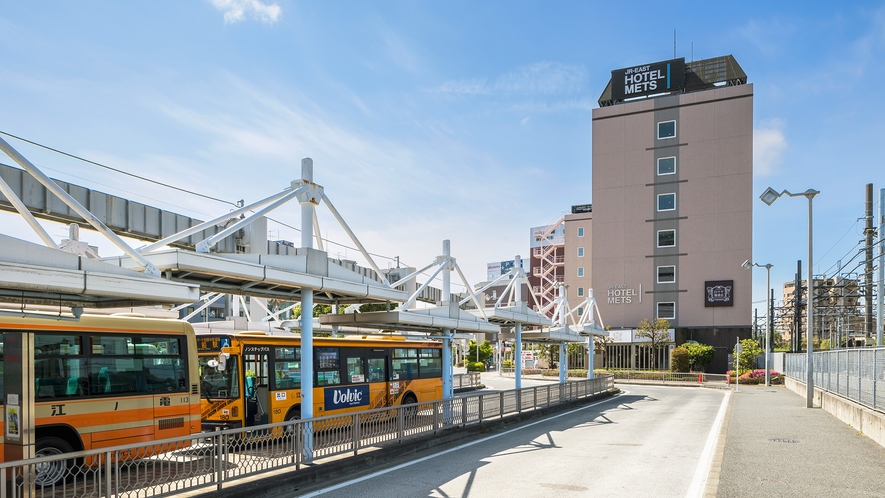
680, 359
507, 364
475, 366
459, 364
699, 355
754, 377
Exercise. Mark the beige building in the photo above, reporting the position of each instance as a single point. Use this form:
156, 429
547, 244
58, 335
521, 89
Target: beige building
672, 200
578, 260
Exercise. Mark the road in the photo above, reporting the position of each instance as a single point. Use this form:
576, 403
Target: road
648, 441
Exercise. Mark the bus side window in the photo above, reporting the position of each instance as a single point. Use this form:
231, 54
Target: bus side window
377, 369
356, 370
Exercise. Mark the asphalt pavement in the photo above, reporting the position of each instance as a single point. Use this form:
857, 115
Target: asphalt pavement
770, 444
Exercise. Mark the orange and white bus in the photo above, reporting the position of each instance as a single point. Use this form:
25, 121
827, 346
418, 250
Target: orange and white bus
106, 380
254, 378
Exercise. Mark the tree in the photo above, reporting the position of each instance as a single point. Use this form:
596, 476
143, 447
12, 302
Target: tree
750, 350
657, 333
550, 352
485, 351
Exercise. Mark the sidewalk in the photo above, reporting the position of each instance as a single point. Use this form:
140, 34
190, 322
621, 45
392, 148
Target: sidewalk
771, 445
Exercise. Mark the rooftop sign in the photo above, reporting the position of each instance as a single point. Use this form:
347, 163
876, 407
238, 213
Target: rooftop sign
648, 79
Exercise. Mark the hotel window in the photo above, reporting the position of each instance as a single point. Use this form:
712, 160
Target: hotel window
580, 292
666, 129
580, 231
666, 166
667, 310
580, 271
667, 238
580, 310
666, 274
580, 252
666, 202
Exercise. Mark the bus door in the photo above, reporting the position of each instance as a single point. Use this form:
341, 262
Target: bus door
256, 386
377, 377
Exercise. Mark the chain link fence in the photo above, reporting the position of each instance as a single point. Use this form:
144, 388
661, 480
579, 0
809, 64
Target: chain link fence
855, 374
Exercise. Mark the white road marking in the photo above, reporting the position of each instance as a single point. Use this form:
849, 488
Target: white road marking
699, 482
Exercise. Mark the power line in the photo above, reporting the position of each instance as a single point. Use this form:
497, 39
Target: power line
117, 170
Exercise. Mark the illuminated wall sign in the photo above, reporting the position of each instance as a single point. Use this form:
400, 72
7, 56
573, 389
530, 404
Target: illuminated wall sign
718, 293
658, 77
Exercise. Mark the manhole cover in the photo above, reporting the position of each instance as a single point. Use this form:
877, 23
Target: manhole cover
783, 440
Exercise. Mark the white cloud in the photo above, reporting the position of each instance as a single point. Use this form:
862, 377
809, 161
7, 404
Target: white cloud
540, 78
524, 121
769, 145
239, 10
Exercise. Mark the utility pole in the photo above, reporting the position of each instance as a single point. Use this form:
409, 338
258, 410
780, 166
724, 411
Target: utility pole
797, 309
880, 286
868, 271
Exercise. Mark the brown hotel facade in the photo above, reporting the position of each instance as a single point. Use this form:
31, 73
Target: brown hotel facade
672, 200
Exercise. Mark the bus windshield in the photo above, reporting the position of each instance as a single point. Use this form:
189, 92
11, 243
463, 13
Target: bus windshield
215, 383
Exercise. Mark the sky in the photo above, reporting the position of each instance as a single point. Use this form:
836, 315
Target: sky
460, 120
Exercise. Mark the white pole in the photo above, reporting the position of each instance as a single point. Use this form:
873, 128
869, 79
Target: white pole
809, 392
307, 367
447, 333
517, 355
563, 361
767, 321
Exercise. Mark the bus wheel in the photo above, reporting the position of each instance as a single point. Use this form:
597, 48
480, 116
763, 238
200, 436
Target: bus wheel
51, 473
294, 414
411, 411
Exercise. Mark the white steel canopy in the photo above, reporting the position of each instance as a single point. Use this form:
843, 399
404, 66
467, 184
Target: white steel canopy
270, 276
34, 274
432, 320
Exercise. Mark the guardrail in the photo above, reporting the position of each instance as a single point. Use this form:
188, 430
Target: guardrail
469, 379
171, 466
855, 374
630, 375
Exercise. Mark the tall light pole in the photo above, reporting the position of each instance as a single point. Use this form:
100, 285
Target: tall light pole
749, 266
768, 197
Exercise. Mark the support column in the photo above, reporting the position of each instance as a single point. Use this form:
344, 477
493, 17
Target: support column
307, 368
447, 333
447, 391
591, 356
517, 347
563, 363
18, 383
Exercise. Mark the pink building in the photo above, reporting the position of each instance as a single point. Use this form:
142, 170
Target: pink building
673, 200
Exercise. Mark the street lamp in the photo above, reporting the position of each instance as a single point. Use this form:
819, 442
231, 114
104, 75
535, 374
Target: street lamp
749, 266
768, 197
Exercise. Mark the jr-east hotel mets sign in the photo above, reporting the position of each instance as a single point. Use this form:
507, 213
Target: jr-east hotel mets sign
648, 79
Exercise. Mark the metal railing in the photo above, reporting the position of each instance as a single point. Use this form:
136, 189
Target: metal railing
630, 375
171, 466
855, 374
663, 376
469, 379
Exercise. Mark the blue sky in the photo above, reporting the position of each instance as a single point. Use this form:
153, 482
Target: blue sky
430, 120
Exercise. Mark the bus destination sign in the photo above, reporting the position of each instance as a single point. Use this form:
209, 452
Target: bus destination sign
212, 344
648, 79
